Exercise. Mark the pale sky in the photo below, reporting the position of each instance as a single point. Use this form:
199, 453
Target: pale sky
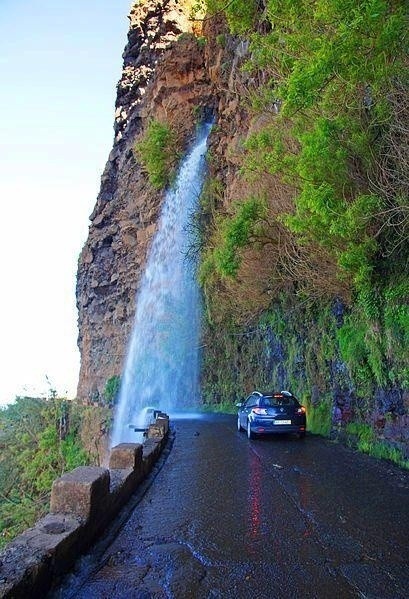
60, 61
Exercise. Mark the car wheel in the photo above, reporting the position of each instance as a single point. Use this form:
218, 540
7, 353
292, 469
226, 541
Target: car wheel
238, 424
301, 435
250, 433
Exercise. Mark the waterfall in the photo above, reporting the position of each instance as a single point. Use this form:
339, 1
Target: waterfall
162, 363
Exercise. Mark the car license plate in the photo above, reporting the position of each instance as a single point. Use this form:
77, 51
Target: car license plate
282, 421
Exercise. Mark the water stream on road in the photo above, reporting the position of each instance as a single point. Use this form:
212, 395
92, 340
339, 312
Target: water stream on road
162, 365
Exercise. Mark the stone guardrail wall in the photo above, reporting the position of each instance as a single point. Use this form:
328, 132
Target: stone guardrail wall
83, 503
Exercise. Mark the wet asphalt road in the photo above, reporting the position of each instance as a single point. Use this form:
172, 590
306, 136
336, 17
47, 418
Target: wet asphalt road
270, 518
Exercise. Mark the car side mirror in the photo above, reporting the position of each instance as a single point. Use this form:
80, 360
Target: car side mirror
239, 404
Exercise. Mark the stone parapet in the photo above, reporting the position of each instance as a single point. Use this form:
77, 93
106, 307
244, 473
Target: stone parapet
80, 492
126, 455
83, 503
160, 426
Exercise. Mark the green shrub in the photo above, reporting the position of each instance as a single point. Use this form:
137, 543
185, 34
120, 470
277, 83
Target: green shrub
157, 153
111, 390
364, 433
40, 439
240, 14
396, 311
234, 233
327, 140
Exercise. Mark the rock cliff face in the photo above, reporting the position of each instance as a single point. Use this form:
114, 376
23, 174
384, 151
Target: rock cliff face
163, 77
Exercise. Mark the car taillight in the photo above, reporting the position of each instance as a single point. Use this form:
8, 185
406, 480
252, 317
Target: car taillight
259, 411
301, 410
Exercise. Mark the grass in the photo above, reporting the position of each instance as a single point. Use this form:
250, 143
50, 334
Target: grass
157, 152
367, 442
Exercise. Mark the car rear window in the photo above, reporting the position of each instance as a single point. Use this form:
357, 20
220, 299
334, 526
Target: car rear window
278, 400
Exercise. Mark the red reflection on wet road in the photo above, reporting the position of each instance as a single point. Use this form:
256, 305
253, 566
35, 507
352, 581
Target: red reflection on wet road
255, 506
305, 504
261, 511
255, 497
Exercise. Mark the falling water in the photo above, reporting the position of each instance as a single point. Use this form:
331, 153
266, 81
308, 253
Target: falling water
161, 368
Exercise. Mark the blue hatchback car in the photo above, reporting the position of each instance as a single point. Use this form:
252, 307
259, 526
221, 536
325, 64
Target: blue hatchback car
266, 413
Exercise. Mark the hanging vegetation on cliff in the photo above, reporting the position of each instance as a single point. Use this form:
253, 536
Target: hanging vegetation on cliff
329, 78
326, 157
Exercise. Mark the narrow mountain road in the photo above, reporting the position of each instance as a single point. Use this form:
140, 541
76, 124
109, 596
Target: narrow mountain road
269, 518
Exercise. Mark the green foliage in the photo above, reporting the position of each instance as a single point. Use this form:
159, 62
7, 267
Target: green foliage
157, 153
329, 46
39, 440
374, 337
330, 65
72, 451
240, 14
368, 443
365, 434
111, 390
319, 417
326, 151
331, 70
396, 312
221, 39
383, 451
354, 351
234, 234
